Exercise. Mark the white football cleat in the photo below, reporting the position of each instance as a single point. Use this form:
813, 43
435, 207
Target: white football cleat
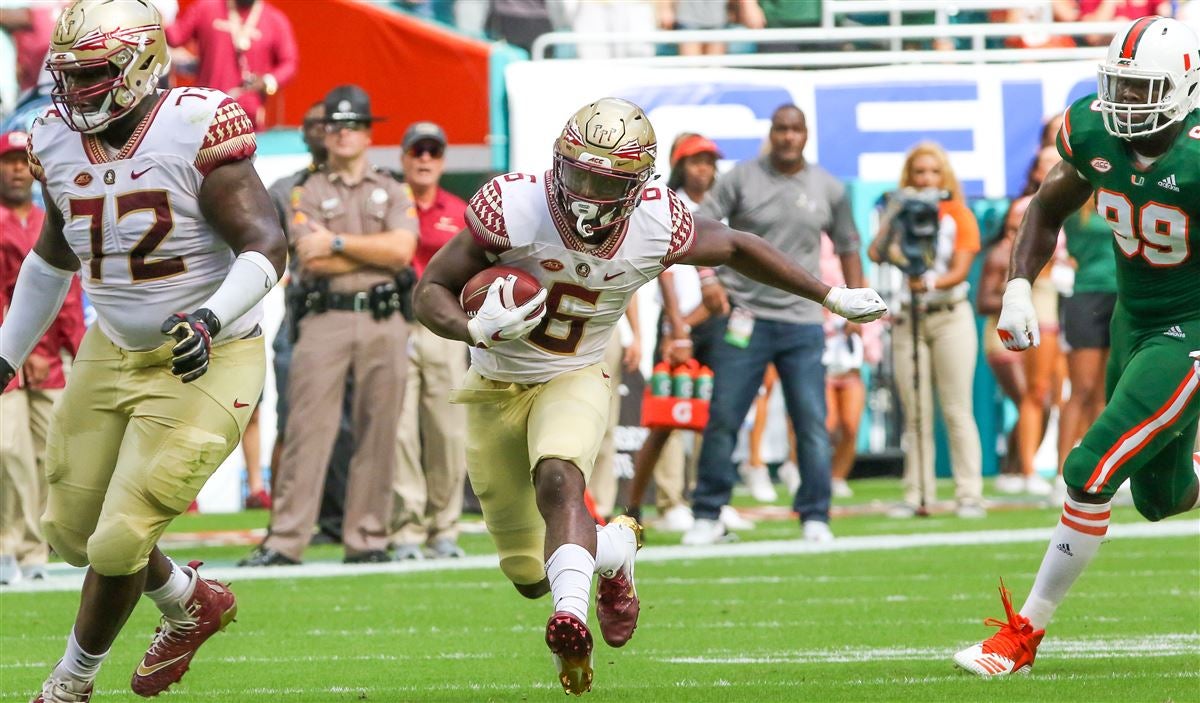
758, 481
733, 520
841, 488
789, 476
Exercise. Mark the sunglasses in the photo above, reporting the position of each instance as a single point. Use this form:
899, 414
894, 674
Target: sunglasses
434, 150
340, 125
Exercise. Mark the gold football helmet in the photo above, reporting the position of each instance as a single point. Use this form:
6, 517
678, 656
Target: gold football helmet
105, 56
602, 161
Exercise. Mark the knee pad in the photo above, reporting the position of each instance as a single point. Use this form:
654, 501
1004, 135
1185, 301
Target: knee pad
68, 544
520, 554
116, 550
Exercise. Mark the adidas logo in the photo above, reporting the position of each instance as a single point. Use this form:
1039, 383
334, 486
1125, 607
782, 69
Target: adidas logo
1169, 183
1065, 549
1175, 332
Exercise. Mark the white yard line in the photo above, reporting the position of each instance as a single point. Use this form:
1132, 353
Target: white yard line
64, 578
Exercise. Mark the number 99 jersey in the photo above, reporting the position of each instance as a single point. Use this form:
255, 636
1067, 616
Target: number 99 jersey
517, 220
133, 217
1153, 210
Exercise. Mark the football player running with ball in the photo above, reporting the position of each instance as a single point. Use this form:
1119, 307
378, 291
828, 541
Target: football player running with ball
591, 231
154, 194
1137, 146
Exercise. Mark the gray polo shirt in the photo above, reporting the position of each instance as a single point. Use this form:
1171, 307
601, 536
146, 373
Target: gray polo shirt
790, 212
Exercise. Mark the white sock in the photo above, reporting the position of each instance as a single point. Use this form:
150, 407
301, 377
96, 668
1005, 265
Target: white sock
1075, 541
172, 597
611, 549
570, 570
78, 664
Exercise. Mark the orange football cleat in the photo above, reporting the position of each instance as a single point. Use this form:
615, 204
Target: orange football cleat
1010, 651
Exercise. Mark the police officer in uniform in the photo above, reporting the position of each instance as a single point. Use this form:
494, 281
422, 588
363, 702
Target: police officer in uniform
353, 228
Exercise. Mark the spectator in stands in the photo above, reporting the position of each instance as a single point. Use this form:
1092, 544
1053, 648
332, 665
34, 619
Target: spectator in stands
1085, 322
947, 342
431, 457
787, 14
30, 25
354, 229
706, 14
1106, 11
243, 47
25, 406
789, 202
1007, 366
518, 22
614, 18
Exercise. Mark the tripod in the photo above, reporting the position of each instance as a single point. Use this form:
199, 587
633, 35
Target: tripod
919, 456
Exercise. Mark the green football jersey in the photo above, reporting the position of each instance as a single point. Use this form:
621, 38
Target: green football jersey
1154, 213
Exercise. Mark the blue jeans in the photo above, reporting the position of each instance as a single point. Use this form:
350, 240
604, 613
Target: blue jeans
796, 352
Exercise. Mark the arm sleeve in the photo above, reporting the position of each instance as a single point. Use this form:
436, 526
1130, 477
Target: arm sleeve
485, 219
38, 295
230, 137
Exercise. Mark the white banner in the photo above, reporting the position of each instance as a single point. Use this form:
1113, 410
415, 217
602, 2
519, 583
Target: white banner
861, 121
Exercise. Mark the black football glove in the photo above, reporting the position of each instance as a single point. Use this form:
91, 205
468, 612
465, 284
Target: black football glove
193, 334
7, 373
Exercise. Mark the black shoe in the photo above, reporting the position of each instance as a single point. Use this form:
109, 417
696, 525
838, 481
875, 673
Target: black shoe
375, 556
262, 556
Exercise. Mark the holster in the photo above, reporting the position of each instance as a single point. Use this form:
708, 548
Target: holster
406, 281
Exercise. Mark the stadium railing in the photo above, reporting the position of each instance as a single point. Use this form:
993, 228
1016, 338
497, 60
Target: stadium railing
835, 37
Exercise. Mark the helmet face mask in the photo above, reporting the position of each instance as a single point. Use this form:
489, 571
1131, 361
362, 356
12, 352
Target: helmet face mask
602, 162
1150, 79
105, 57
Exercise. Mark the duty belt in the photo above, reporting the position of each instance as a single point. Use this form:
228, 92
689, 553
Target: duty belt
356, 302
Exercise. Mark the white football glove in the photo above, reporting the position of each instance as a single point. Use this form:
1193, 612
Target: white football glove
1018, 325
495, 323
855, 304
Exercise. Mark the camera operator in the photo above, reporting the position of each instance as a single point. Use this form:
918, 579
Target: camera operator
928, 232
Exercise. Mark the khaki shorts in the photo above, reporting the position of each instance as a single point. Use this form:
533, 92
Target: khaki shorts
510, 428
130, 446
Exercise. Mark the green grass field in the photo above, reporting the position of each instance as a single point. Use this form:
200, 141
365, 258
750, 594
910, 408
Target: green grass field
870, 624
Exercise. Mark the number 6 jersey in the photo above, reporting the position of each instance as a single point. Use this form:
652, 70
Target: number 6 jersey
1153, 210
133, 216
515, 218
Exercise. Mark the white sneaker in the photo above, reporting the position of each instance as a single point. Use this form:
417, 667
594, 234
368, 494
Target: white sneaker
34, 572
733, 520
677, 519
758, 480
903, 511
65, 690
10, 571
1010, 484
789, 475
1035, 485
1059, 495
817, 531
704, 532
841, 489
971, 511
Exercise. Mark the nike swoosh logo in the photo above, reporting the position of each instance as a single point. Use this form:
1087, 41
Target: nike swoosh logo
609, 277
138, 174
237, 404
143, 670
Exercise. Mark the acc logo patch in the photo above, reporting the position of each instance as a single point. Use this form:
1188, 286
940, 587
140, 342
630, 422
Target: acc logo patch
109, 177
552, 265
83, 180
1101, 164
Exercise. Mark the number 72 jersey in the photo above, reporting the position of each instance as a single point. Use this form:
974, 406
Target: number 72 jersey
1154, 213
133, 218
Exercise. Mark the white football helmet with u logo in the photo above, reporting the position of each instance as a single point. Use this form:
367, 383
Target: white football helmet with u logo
602, 161
1151, 77
105, 56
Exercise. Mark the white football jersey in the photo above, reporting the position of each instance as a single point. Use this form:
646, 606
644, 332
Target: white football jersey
133, 218
515, 218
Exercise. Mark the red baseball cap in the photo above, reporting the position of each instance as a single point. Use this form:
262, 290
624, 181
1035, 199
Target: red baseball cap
13, 141
692, 145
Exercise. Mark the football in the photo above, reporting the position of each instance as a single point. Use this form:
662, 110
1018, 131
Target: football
519, 287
